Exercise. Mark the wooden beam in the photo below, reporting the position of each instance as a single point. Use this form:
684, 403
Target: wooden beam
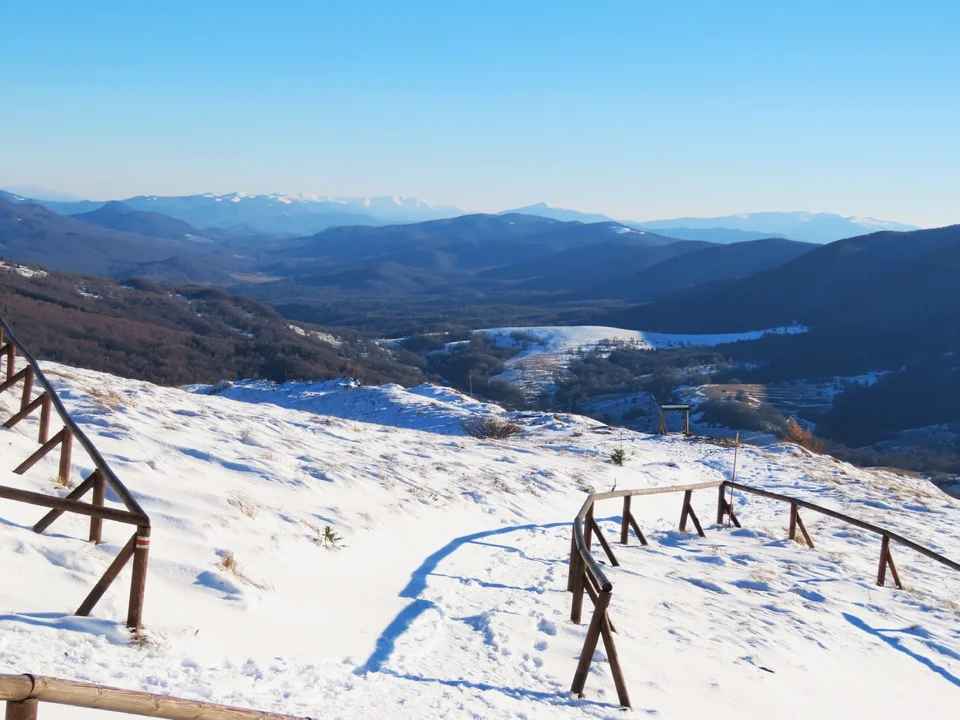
104, 583
38, 455
613, 657
24, 412
80, 508
636, 529
688, 512
78, 492
803, 529
594, 592
131, 702
12, 380
603, 543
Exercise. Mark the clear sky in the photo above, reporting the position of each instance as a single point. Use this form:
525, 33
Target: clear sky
638, 109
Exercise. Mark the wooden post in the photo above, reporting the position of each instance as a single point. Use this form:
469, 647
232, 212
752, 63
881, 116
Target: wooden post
138, 584
793, 522
44, 419
574, 555
686, 422
99, 497
23, 710
576, 607
588, 530
27, 388
884, 549
721, 503
886, 558
66, 449
11, 360
590, 644
686, 510
625, 521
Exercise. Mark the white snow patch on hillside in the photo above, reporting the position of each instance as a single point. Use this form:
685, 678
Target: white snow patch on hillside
447, 597
537, 367
23, 270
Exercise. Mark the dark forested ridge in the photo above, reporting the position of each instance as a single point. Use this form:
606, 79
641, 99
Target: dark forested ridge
179, 335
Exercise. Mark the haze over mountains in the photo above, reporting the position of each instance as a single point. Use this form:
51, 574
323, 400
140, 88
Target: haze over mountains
302, 214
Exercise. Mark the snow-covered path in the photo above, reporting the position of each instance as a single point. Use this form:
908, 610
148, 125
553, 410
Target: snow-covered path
447, 596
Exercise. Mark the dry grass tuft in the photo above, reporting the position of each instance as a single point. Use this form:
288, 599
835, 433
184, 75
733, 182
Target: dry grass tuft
246, 505
491, 428
228, 563
107, 399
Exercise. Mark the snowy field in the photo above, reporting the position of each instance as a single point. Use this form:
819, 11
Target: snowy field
445, 596
538, 366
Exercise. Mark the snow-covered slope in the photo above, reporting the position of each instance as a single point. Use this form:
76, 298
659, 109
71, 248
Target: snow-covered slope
446, 595
537, 367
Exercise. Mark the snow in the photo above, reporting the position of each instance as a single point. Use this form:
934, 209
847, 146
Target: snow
447, 595
537, 367
23, 270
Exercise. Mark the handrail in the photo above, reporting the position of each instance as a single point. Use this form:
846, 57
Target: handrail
125, 496
862, 524
585, 554
23, 693
586, 574
138, 547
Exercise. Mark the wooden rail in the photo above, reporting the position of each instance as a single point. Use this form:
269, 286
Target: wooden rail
24, 694
587, 576
98, 481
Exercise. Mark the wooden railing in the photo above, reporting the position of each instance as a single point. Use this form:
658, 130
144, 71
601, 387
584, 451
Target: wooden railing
138, 547
587, 575
24, 694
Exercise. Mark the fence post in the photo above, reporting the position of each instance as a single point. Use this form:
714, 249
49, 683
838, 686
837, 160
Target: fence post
66, 450
588, 529
27, 388
99, 497
44, 419
686, 510
11, 360
721, 502
793, 521
625, 521
590, 644
138, 583
22, 710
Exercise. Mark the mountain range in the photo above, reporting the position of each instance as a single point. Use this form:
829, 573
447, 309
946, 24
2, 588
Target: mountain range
290, 215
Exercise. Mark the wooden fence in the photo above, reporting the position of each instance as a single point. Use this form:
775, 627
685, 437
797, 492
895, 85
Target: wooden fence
587, 576
24, 694
102, 477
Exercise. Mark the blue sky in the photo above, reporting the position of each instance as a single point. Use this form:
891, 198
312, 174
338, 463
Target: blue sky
641, 109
